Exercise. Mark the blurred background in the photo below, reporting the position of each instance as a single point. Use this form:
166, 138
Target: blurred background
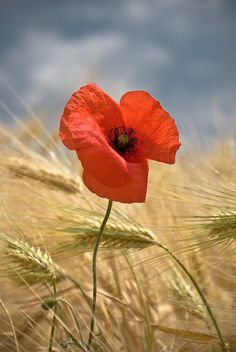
182, 51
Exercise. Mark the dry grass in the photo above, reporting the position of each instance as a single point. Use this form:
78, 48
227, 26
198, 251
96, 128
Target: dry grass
145, 303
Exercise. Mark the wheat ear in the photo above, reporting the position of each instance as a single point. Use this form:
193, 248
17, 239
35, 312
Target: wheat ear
31, 263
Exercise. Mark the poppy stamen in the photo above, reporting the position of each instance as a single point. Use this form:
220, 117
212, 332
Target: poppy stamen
122, 139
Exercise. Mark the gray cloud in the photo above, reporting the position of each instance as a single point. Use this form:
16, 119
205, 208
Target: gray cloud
182, 51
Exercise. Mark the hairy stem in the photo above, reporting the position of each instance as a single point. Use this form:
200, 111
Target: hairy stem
94, 268
204, 300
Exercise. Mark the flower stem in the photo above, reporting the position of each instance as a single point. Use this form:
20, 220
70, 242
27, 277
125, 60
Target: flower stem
95, 251
213, 319
54, 315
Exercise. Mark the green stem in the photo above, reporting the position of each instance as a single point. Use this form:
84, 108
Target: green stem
95, 251
214, 321
54, 315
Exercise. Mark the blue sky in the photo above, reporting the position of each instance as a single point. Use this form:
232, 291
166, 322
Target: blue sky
182, 51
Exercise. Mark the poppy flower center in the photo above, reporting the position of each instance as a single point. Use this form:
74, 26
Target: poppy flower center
122, 139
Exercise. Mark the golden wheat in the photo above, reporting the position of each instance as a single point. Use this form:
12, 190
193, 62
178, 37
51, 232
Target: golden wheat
27, 262
146, 302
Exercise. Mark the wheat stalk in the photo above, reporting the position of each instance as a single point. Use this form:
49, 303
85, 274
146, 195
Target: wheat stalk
213, 229
32, 264
83, 226
45, 172
186, 295
11, 324
222, 226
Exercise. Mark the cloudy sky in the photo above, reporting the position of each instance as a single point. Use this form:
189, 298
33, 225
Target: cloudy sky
182, 51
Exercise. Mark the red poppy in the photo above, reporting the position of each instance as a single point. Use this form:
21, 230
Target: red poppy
114, 141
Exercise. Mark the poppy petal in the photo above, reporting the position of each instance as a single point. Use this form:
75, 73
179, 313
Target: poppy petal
134, 191
97, 156
89, 101
157, 132
65, 134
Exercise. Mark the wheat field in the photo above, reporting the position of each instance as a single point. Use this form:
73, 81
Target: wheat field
49, 223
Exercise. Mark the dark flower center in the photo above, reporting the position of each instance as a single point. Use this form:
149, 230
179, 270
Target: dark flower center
122, 139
